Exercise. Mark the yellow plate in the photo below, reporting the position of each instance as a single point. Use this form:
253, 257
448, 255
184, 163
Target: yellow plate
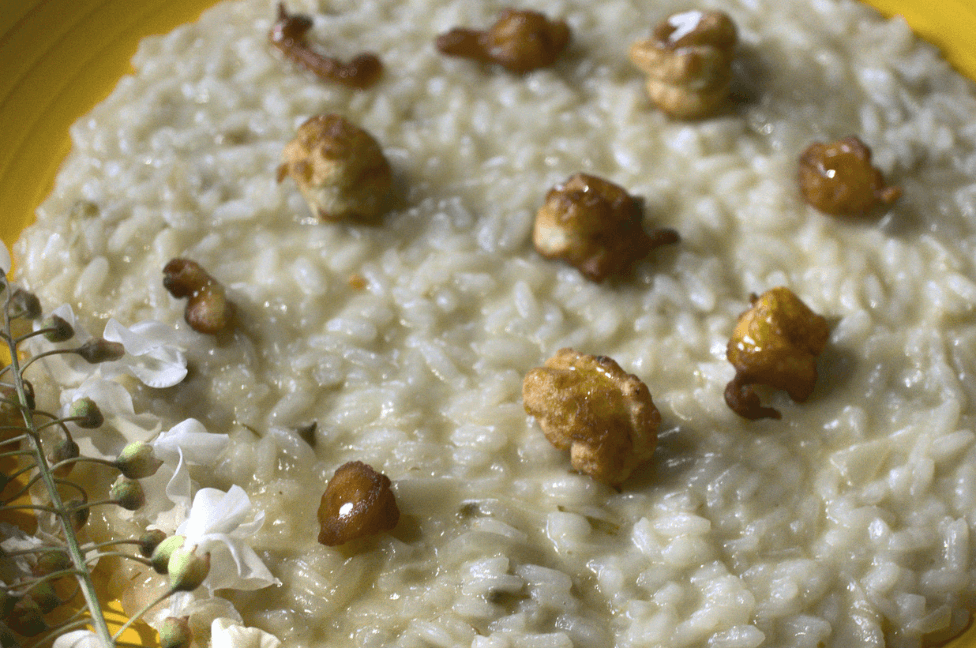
58, 58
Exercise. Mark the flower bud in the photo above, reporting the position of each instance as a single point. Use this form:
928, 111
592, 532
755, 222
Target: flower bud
10, 408
187, 570
164, 551
128, 493
79, 513
45, 596
99, 350
138, 461
149, 540
51, 562
29, 394
57, 329
86, 414
25, 304
175, 633
64, 450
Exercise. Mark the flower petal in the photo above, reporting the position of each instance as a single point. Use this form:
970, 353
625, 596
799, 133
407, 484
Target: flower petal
190, 438
215, 511
216, 524
234, 564
226, 633
122, 424
152, 353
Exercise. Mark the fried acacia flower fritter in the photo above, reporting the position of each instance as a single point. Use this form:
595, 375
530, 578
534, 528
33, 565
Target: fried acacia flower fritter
287, 35
776, 342
207, 310
838, 178
596, 226
358, 502
589, 405
339, 168
688, 62
519, 41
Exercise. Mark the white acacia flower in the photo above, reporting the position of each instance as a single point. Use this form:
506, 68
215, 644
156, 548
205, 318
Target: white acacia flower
152, 352
227, 633
78, 639
122, 424
217, 524
186, 444
5, 260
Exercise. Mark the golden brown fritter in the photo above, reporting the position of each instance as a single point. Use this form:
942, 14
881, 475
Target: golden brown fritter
596, 226
688, 62
339, 168
589, 405
519, 41
776, 343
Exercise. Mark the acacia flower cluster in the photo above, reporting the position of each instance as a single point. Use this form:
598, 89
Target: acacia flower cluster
197, 538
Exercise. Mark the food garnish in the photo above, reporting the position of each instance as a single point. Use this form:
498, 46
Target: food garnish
207, 310
688, 62
838, 178
776, 343
589, 405
358, 502
519, 41
596, 226
339, 168
288, 36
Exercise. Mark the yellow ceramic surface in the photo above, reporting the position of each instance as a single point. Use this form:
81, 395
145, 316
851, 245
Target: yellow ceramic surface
60, 57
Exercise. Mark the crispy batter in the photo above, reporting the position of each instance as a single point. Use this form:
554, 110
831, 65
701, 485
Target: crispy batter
776, 343
288, 36
358, 502
688, 62
519, 41
208, 310
603, 415
838, 178
596, 226
339, 168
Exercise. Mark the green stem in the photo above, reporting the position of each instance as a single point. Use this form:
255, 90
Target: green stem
33, 481
32, 584
92, 546
71, 539
43, 549
138, 615
41, 356
32, 507
17, 453
27, 336
119, 554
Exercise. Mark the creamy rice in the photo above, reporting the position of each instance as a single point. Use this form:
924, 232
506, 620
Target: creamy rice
846, 523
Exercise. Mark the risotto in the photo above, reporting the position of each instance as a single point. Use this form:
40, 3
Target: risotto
847, 522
